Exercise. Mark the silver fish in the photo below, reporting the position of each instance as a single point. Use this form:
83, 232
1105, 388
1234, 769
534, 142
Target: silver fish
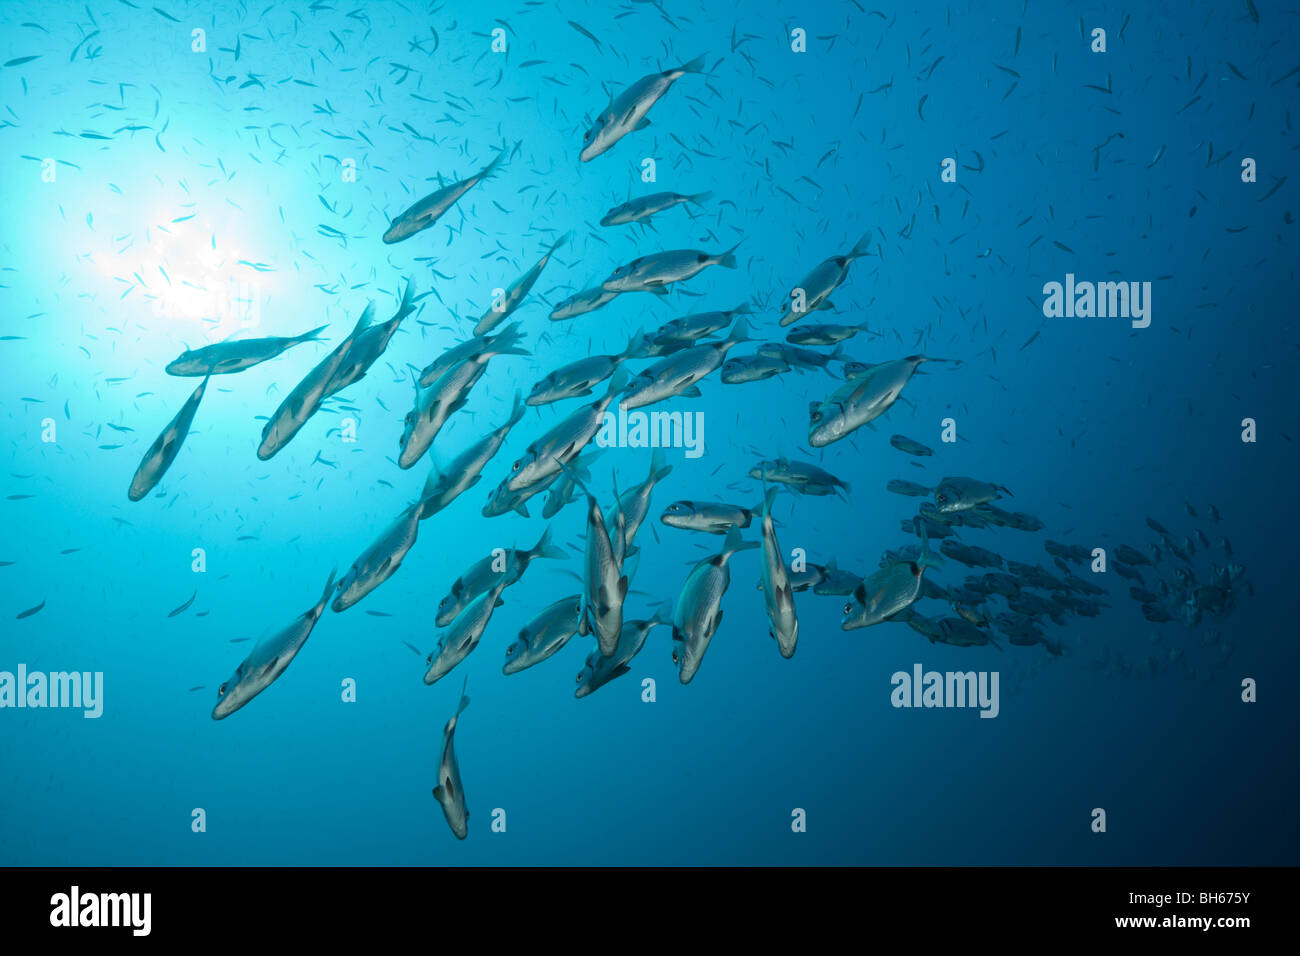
643, 207
801, 476
777, 593
225, 358
604, 586
445, 397
545, 634
697, 325
504, 565
427, 211
464, 634
545, 456
166, 447
678, 373
708, 516
655, 272
305, 399
961, 494
627, 111
369, 346
380, 561
824, 334
699, 606
752, 368
599, 670
578, 378
449, 793
630, 510
445, 485
894, 588
268, 659
860, 400
580, 303
514, 295
814, 291
503, 343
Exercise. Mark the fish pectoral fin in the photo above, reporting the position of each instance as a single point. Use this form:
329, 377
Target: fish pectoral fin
691, 392
645, 121
715, 624
619, 671
269, 667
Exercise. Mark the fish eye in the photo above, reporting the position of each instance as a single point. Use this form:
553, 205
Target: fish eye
221, 691
940, 497
848, 608
579, 678
515, 466
674, 655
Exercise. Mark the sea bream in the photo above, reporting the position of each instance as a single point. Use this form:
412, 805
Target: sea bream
961, 494
604, 585
599, 670
464, 633
423, 214
226, 358
689, 328
752, 368
860, 400
268, 659
657, 271
449, 793
543, 459
698, 613
561, 490
774, 580
627, 111
504, 565
578, 378
823, 334
165, 447
643, 207
814, 291
630, 509
446, 396
446, 484
513, 296
369, 346
380, 561
580, 303
711, 517
801, 476
545, 634
678, 373
305, 399
894, 588
503, 343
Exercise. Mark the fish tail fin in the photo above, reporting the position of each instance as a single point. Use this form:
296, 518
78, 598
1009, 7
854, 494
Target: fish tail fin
633, 344
312, 336
728, 259
658, 469
663, 614
507, 341
837, 354
700, 197
329, 589
739, 332
407, 305
928, 558
860, 247
364, 322
743, 309
559, 242
1006, 489
517, 410
545, 549
617, 382
464, 696
491, 167
694, 66
735, 542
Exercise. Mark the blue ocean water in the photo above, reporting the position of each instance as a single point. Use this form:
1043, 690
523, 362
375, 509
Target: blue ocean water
162, 198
